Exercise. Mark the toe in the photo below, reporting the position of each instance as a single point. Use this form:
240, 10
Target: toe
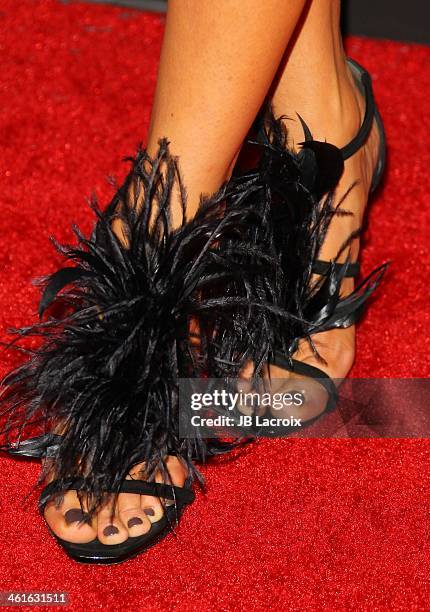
132, 515
110, 528
151, 508
69, 521
177, 473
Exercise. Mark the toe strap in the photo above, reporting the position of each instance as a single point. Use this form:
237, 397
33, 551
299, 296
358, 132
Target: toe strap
184, 495
180, 495
46, 445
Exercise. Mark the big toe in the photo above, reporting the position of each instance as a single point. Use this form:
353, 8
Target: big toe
69, 521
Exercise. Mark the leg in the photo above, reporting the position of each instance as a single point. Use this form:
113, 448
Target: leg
315, 82
216, 67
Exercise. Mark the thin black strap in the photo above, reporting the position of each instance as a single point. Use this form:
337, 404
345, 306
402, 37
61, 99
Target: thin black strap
363, 78
382, 158
180, 495
351, 270
364, 81
305, 369
156, 489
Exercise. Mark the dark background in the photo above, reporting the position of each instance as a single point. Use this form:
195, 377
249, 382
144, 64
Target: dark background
407, 20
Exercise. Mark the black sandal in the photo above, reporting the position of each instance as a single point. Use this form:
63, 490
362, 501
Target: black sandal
95, 551
348, 269
108, 366
294, 193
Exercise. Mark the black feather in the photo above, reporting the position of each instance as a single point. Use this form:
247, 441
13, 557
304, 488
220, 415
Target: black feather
106, 373
294, 193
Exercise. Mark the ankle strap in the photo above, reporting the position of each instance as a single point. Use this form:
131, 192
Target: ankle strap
323, 268
364, 81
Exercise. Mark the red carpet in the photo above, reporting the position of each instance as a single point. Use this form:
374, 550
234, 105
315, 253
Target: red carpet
292, 524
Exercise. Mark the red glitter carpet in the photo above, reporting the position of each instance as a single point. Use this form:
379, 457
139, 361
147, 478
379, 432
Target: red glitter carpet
292, 524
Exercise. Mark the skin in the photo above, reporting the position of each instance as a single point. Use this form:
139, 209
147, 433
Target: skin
216, 69
326, 96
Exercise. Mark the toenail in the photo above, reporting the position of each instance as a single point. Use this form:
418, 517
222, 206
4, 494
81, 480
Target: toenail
134, 521
149, 511
110, 530
75, 515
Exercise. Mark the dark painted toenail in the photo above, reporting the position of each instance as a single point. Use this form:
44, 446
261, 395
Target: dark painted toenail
75, 515
149, 511
110, 530
134, 521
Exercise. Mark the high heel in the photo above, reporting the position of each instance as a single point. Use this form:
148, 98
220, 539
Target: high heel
294, 192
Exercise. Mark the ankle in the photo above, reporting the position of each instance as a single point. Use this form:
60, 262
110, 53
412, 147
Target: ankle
328, 100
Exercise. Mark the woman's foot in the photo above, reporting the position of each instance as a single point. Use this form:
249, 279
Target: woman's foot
131, 515
337, 120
